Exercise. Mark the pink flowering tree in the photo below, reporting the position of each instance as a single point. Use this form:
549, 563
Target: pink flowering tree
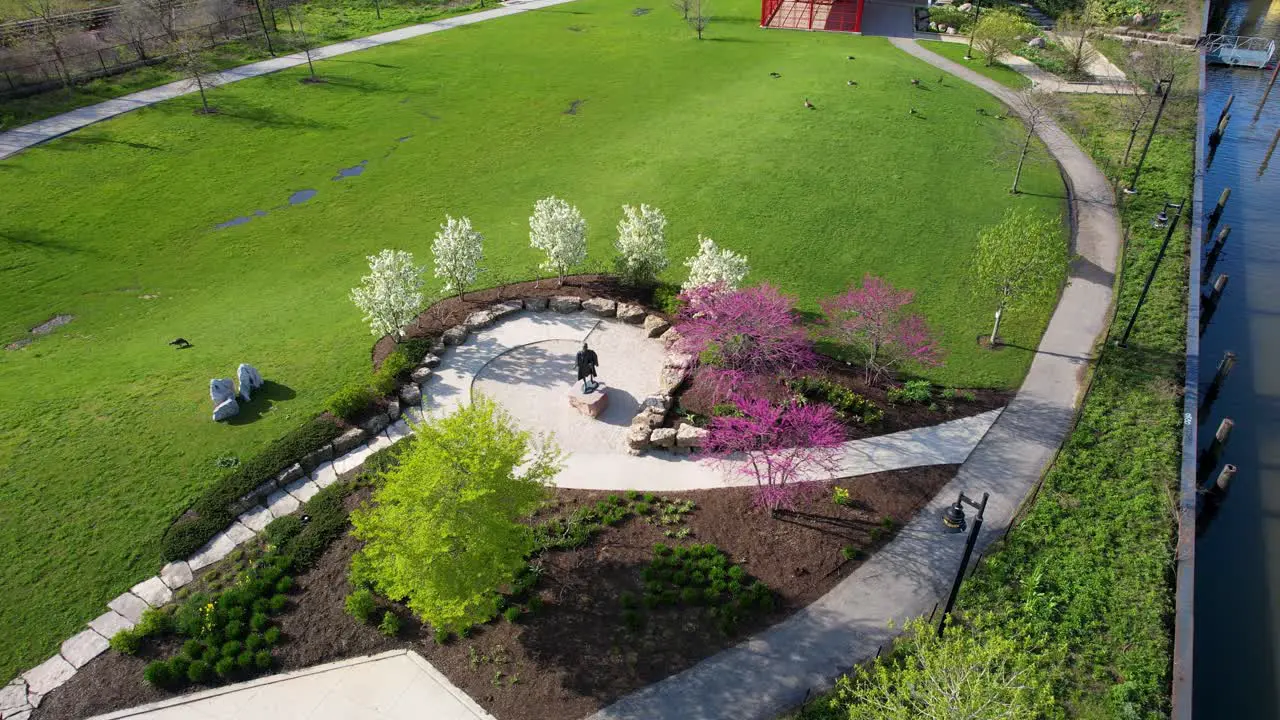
751, 331
873, 320
784, 448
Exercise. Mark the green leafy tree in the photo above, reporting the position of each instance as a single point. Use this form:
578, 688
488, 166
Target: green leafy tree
1019, 260
444, 528
997, 33
965, 674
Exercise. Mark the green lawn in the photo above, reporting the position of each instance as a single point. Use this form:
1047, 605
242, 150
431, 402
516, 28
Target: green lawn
999, 72
104, 430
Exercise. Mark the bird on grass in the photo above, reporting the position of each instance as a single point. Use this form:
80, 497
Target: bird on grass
852, 83
775, 75
982, 111
915, 81
808, 104
850, 57
180, 343
913, 111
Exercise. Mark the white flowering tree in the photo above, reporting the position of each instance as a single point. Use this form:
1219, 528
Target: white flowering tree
642, 244
391, 294
559, 230
715, 266
458, 250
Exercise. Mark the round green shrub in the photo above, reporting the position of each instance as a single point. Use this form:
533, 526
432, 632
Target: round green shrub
680, 578
235, 630
224, 667
737, 573
213, 638
178, 667
232, 648
211, 655
284, 584
192, 649
282, 530
126, 642
198, 671
158, 674
360, 605
718, 587
260, 606
512, 614
643, 508
441, 636
698, 578
277, 603
711, 595
272, 635
690, 596
262, 659
255, 642
231, 599
244, 661
536, 604
259, 622
390, 625
661, 549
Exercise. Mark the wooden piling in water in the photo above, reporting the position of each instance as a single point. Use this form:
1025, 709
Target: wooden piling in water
1266, 159
1224, 478
1225, 366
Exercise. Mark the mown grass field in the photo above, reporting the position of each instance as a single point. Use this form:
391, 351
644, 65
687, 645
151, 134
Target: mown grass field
104, 430
999, 72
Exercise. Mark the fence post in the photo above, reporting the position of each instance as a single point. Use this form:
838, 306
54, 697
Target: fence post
244, 26
102, 62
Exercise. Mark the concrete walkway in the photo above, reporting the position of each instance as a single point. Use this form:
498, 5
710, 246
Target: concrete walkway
18, 139
1110, 79
775, 670
396, 685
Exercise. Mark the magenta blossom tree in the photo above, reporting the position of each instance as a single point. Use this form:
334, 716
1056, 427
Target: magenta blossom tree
785, 448
873, 320
752, 330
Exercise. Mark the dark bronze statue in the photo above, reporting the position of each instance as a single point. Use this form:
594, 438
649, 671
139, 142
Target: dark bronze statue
587, 361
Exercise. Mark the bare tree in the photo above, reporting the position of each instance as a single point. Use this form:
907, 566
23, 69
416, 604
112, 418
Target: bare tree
308, 44
1077, 30
1147, 70
699, 20
1034, 107
162, 15
683, 7
189, 58
48, 32
133, 25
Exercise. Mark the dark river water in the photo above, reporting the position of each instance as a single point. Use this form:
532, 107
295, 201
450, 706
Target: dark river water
1237, 604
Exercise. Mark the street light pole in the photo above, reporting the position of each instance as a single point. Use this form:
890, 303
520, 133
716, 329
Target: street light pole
968, 54
1173, 223
1164, 97
954, 519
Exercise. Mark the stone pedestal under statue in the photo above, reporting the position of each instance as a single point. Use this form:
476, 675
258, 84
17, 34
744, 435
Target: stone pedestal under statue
590, 404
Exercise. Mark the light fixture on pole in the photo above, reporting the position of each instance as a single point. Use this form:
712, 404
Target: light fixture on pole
1162, 217
953, 521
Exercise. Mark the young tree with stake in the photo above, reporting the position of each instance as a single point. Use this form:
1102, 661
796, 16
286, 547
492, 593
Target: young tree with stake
190, 60
391, 294
641, 244
699, 20
558, 230
458, 250
715, 266
1034, 107
1019, 261
445, 527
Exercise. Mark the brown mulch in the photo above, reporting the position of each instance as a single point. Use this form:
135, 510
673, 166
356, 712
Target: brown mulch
575, 655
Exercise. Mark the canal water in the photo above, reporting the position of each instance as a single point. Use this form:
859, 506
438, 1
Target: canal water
1237, 593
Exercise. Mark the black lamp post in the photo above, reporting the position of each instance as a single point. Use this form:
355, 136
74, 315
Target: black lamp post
1161, 221
953, 520
1137, 171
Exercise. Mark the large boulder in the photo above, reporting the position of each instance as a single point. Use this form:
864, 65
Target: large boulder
1036, 42
537, 304
250, 379
690, 436
600, 307
348, 441
376, 424
679, 361
226, 409
455, 335
656, 403
663, 437
655, 326
420, 375
221, 390
410, 394
637, 439
671, 379
566, 304
504, 309
966, 7
430, 361
671, 337
479, 319
631, 313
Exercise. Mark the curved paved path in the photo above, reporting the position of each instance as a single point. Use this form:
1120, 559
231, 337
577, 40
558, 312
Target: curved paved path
21, 138
776, 669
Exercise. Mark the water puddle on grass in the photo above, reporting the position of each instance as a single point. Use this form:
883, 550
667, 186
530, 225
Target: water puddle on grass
352, 171
573, 107
43, 328
406, 137
232, 222
638, 12
301, 196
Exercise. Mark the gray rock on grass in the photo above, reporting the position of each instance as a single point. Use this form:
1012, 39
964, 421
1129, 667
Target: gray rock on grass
249, 378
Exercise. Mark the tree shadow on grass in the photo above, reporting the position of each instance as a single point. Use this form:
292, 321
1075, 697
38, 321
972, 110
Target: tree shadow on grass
34, 240
74, 142
264, 399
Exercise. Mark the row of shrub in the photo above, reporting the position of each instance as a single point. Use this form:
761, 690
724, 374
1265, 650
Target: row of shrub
849, 405
355, 399
217, 507
698, 575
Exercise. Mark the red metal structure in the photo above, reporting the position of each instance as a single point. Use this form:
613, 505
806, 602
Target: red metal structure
835, 15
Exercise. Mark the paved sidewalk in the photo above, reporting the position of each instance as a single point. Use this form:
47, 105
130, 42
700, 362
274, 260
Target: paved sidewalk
1111, 81
775, 670
395, 685
18, 139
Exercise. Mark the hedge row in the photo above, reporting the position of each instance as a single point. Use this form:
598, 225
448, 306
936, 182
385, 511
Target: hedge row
217, 507
358, 396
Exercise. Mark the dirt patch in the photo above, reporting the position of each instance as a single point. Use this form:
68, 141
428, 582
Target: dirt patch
43, 328
576, 655
573, 107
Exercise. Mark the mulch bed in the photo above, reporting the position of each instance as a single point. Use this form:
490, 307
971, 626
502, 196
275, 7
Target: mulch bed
575, 655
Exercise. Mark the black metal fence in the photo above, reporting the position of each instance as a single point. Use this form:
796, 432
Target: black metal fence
47, 73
